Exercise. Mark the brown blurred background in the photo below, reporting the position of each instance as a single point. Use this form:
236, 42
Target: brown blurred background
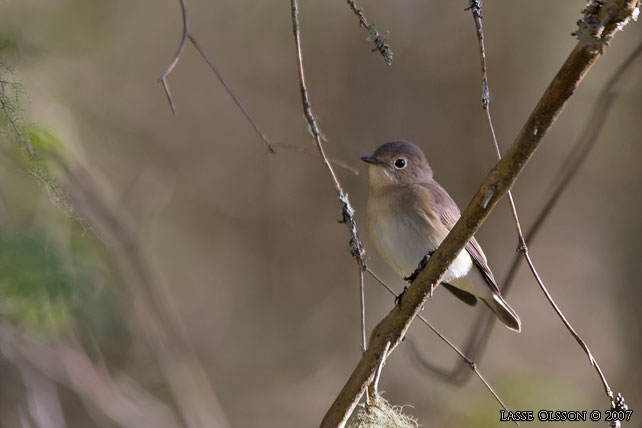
248, 244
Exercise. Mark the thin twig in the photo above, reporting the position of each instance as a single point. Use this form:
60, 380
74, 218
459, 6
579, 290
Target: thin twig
362, 299
357, 250
472, 364
496, 184
522, 246
479, 335
163, 79
177, 57
373, 35
591, 16
312, 152
230, 91
475, 7
374, 386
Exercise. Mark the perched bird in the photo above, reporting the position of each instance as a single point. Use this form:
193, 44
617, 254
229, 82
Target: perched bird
410, 214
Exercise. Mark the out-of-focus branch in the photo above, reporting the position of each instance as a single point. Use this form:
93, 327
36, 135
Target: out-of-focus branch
499, 180
42, 398
377, 39
9, 106
121, 401
160, 323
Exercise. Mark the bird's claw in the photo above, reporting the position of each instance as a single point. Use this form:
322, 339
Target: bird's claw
399, 297
422, 265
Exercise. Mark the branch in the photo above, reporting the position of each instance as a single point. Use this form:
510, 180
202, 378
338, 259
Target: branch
160, 324
357, 250
163, 79
177, 57
590, 33
497, 183
235, 97
373, 35
122, 401
271, 146
479, 335
471, 364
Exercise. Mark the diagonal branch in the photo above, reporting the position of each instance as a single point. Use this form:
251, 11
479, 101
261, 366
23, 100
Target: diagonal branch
591, 27
497, 183
232, 94
465, 360
479, 335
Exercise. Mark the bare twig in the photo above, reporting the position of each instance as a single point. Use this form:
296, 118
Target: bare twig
357, 250
464, 358
476, 10
377, 39
177, 57
374, 386
592, 11
163, 79
312, 152
362, 299
498, 181
230, 91
480, 333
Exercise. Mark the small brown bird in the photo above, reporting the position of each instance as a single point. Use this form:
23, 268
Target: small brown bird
410, 214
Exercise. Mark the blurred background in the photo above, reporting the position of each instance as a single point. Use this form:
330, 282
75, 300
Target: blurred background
143, 254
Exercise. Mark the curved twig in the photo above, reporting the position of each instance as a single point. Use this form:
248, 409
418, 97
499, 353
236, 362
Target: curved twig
177, 57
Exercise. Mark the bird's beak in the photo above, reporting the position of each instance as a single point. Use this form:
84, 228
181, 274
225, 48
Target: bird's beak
370, 159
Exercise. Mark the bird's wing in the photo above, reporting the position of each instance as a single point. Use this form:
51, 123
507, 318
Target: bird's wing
449, 214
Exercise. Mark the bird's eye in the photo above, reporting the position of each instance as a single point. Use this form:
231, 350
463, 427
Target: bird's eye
400, 163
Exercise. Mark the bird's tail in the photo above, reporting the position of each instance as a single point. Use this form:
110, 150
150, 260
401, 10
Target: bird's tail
504, 312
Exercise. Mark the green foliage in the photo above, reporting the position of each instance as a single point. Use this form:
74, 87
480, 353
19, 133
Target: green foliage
50, 289
45, 143
37, 288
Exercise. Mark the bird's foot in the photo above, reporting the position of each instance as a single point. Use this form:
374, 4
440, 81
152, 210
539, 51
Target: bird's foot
422, 265
400, 296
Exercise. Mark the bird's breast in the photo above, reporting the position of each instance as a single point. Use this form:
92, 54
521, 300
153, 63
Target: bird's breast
403, 236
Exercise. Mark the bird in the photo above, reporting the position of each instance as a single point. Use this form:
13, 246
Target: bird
410, 214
